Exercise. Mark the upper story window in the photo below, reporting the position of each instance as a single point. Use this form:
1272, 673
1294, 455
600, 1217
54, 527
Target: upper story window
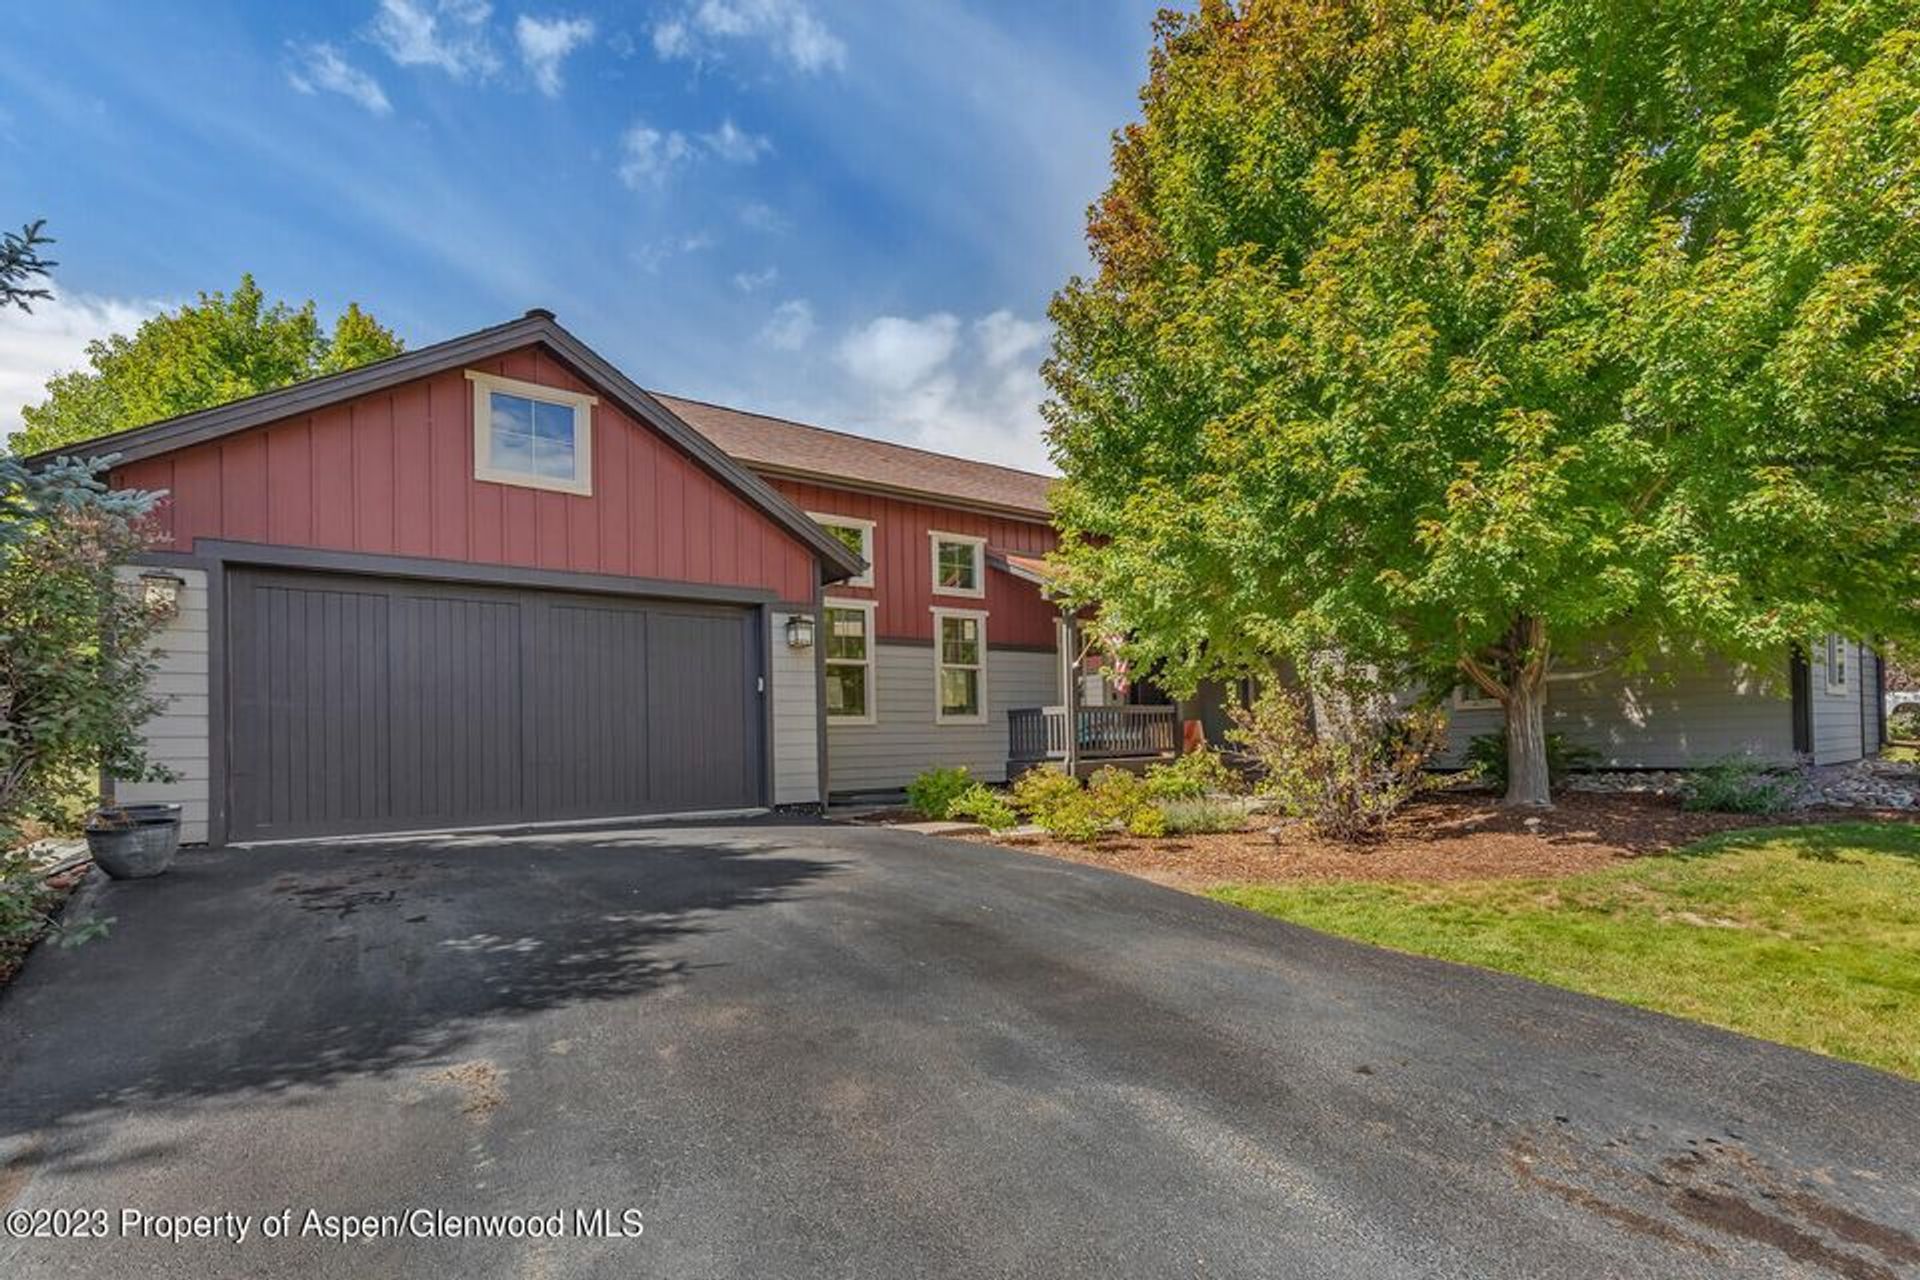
849, 661
527, 434
959, 564
1836, 664
857, 536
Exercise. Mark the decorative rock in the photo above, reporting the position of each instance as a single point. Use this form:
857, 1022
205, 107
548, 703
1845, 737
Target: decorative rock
1862, 784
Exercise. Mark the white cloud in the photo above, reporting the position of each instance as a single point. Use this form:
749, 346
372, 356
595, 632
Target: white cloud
449, 34
319, 67
53, 339
788, 27
621, 43
894, 353
648, 155
735, 145
964, 390
754, 281
1005, 337
650, 257
671, 39
544, 45
790, 327
757, 216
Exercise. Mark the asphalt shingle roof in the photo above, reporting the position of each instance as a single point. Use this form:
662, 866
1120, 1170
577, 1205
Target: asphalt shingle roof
759, 440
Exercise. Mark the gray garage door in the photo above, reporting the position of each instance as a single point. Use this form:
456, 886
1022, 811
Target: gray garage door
370, 704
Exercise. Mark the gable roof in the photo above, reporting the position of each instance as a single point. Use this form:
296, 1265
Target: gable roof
536, 326
779, 446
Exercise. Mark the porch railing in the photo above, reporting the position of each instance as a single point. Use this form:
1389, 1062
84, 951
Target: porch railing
1102, 733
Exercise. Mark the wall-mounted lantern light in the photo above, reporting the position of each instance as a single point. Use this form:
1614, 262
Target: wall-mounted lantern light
162, 591
799, 631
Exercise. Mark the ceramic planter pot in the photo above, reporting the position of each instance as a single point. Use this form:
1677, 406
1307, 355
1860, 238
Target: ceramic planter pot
141, 846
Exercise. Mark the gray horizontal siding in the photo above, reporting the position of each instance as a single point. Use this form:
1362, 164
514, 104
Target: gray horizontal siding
178, 737
796, 727
1836, 716
1678, 715
885, 755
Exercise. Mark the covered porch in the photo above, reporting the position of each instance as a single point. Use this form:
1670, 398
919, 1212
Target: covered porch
1130, 737
1095, 724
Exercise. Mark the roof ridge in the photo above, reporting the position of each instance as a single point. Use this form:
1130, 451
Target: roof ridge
854, 435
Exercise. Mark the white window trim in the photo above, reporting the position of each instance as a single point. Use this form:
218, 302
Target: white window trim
939, 616
934, 538
865, 579
1837, 657
873, 693
484, 384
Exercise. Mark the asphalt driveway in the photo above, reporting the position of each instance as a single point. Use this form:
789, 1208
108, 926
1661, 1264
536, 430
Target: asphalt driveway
804, 1050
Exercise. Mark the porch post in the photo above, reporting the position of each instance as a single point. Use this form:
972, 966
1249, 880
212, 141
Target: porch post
1070, 633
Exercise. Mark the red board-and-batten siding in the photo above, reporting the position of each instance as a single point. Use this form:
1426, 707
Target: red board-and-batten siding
391, 473
903, 564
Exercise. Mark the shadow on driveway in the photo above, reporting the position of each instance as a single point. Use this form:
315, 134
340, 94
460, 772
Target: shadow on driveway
248, 971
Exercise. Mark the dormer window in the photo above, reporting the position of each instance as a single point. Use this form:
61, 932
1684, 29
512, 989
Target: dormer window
527, 434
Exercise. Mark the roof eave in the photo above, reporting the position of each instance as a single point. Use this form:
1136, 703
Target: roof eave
834, 480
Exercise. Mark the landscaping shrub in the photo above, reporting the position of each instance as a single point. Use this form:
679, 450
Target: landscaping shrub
1193, 776
1149, 822
1205, 816
932, 793
75, 659
1737, 784
75, 650
982, 804
1487, 753
1057, 803
1347, 785
1904, 724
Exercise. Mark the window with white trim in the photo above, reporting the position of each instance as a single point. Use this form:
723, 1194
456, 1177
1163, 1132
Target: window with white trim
856, 535
849, 661
959, 666
959, 564
527, 434
1836, 664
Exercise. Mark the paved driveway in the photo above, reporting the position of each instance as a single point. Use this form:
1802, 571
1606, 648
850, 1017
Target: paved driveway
804, 1050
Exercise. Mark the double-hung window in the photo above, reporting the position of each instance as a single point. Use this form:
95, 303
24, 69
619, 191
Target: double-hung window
959, 564
959, 666
527, 434
1836, 664
849, 661
857, 536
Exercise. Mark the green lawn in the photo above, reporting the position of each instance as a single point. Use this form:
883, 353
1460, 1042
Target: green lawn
1809, 936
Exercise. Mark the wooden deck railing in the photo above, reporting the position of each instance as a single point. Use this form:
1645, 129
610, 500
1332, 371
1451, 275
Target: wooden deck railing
1102, 733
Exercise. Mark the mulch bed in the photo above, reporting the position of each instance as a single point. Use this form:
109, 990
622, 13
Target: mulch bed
1438, 837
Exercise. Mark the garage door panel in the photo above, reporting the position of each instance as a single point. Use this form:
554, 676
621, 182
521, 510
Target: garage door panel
593, 749
699, 683
455, 721
366, 704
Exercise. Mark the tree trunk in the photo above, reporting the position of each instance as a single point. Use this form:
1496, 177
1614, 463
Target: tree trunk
1527, 782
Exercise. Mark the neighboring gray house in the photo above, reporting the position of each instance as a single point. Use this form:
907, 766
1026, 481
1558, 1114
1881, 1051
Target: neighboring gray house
1688, 713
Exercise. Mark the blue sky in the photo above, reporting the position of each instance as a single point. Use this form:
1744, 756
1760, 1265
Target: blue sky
851, 213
